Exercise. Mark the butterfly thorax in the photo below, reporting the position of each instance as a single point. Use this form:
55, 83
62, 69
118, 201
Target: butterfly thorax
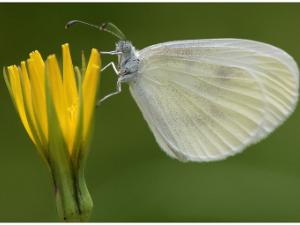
128, 61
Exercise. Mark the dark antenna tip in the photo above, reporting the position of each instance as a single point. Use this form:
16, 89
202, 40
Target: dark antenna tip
103, 26
70, 23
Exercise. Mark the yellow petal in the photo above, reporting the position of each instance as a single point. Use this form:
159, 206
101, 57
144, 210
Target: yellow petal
71, 96
39, 63
69, 79
16, 89
89, 90
37, 78
56, 85
28, 98
56, 89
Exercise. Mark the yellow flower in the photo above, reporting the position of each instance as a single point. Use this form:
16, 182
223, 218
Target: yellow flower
56, 107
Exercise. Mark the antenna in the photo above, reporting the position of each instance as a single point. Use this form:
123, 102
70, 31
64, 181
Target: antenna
107, 27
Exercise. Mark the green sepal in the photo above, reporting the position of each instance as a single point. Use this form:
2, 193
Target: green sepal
73, 200
60, 165
83, 64
77, 149
7, 82
79, 155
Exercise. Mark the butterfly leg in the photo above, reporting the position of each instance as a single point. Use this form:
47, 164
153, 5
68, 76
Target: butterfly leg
112, 64
111, 53
119, 89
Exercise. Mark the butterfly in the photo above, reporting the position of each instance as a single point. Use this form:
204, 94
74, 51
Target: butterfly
207, 99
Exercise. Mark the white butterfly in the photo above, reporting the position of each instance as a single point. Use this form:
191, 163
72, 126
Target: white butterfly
208, 99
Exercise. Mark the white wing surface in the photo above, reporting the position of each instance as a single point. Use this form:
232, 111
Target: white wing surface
205, 100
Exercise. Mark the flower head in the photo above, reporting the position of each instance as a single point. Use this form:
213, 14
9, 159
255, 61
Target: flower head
56, 106
73, 95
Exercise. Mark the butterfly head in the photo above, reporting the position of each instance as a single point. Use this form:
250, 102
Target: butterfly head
124, 46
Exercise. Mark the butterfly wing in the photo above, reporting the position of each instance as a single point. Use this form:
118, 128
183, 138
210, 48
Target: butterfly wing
207, 99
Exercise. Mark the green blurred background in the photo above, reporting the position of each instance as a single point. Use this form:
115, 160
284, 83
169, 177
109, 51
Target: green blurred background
129, 177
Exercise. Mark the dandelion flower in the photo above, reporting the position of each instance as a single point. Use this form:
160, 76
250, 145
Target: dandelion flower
56, 106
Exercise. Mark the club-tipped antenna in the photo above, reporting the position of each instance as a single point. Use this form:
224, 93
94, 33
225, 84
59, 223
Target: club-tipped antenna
107, 27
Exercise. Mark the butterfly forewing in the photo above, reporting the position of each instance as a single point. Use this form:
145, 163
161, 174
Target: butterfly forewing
208, 99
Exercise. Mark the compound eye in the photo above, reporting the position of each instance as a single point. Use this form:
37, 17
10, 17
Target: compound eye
126, 47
